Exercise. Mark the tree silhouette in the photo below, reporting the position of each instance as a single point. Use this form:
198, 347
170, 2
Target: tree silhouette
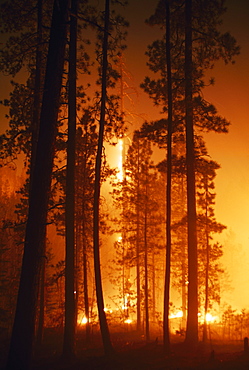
70, 312
99, 290
208, 252
188, 71
23, 329
169, 181
141, 221
192, 318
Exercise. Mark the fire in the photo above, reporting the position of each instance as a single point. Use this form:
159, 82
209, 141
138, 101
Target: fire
120, 174
211, 318
108, 310
82, 321
128, 321
178, 314
126, 302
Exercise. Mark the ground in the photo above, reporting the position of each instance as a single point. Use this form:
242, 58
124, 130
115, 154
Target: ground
137, 355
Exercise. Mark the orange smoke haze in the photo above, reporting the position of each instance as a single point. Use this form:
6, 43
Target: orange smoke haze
230, 95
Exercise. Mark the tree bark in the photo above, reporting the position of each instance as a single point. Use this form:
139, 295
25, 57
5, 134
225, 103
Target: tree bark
138, 246
40, 327
35, 131
85, 243
192, 318
146, 278
207, 263
37, 90
70, 316
86, 298
99, 290
166, 328
21, 346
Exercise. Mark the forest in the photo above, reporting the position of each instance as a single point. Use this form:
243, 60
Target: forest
109, 256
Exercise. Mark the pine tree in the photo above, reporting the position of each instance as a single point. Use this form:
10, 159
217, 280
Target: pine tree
192, 318
140, 201
10, 249
208, 252
188, 72
99, 291
169, 181
85, 157
108, 114
70, 312
21, 345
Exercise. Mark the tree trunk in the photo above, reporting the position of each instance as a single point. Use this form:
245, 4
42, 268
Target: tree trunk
182, 241
138, 249
207, 265
69, 329
138, 276
183, 290
166, 328
21, 346
146, 282
86, 299
35, 131
37, 91
99, 291
192, 318
153, 286
84, 241
40, 328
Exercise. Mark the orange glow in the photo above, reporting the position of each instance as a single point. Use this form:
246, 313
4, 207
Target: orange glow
178, 314
108, 310
120, 174
230, 95
82, 320
211, 318
126, 301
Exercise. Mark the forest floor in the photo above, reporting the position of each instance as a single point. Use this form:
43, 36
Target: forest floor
134, 354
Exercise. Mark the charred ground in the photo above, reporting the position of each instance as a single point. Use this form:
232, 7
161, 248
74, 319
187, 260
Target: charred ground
133, 353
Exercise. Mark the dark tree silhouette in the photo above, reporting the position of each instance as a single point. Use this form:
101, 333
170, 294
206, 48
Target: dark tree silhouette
208, 252
138, 263
34, 137
99, 290
142, 207
146, 282
21, 346
86, 152
192, 318
166, 331
70, 314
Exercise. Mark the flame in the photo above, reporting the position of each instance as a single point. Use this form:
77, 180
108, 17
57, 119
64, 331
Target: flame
178, 314
108, 310
211, 318
120, 174
128, 321
82, 321
126, 302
